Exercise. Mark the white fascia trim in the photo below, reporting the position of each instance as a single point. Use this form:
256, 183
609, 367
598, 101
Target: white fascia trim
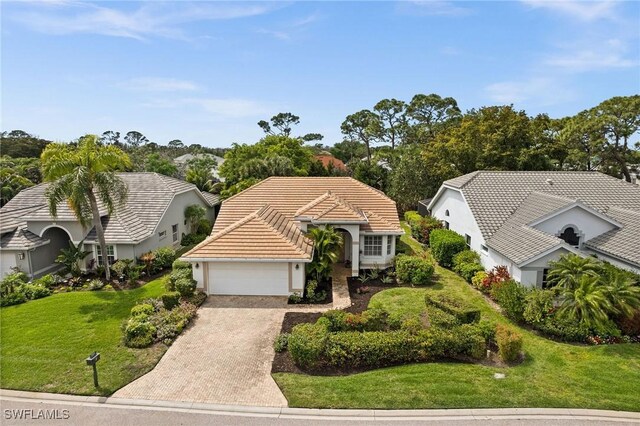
549, 251
398, 233
242, 259
442, 188
569, 207
338, 223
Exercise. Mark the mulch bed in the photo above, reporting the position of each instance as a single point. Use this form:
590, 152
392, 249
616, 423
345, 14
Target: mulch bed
327, 286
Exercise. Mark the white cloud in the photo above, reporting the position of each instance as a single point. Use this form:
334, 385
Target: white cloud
432, 8
579, 9
158, 84
540, 91
151, 19
286, 32
611, 53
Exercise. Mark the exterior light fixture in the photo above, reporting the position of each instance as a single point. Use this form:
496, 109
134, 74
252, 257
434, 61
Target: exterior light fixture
197, 265
297, 266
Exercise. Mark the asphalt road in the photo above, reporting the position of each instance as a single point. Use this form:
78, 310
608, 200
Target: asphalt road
89, 414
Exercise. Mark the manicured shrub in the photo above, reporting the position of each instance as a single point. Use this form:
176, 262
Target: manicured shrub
138, 332
488, 330
370, 320
175, 275
412, 217
142, 309
170, 324
421, 227
445, 244
562, 329
440, 318
466, 314
337, 320
466, 340
510, 295
35, 291
192, 239
15, 298
180, 264
469, 270
464, 257
307, 343
164, 257
312, 294
509, 343
538, 305
413, 270
171, 299
412, 325
185, 286
204, 227
281, 342
478, 279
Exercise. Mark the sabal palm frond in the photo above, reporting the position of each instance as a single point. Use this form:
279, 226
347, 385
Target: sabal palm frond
566, 272
587, 303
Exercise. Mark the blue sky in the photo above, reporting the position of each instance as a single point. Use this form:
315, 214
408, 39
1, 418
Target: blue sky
207, 72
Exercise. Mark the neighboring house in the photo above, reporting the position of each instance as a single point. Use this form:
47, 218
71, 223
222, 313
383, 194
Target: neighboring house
524, 220
152, 217
182, 161
258, 245
327, 159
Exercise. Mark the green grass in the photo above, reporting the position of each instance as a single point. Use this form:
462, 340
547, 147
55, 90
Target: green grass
44, 342
553, 374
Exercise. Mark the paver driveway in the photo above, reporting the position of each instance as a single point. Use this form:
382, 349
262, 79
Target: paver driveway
224, 358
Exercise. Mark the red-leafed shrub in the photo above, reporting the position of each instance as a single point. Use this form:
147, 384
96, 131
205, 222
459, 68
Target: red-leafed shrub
498, 274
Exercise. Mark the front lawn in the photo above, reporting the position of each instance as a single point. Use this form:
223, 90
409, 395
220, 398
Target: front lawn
553, 374
44, 342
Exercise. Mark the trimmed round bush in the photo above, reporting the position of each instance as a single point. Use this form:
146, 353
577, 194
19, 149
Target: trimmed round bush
185, 286
538, 305
469, 270
180, 264
414, 270
281, 342
464, 257
478, 279
445, 244
170, 300
14, 298
164, 257
138, 332
307, 343
192, 239
509, 343
142, 309
178, 274
510, 295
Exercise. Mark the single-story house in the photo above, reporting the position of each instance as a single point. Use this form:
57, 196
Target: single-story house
259, 246
152, 217
326, 158
525, 220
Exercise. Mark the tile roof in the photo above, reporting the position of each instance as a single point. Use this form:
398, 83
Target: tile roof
263, 234
503, 203
149, 196
21, 239
241, 230
622, 242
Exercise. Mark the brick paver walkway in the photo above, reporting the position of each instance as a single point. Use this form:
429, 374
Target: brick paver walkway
225, 357
339, 277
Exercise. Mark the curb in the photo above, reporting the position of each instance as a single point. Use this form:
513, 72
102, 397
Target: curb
328, 414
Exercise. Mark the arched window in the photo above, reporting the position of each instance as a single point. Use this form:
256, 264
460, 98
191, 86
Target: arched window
446, 212
570, 236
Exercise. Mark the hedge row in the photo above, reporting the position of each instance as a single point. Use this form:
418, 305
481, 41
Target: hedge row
421, 227
445, 244
464, 313
311, 345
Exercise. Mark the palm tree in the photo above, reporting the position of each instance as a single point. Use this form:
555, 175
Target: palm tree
623, 295
70, 257
80, 176
326, 246
567, 271
587, 303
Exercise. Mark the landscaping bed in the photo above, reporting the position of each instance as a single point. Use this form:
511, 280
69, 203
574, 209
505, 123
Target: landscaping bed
324, 287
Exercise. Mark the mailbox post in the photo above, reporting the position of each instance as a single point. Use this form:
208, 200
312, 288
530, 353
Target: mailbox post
92, 360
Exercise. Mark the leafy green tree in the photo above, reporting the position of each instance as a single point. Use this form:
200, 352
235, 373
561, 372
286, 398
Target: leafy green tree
410, 181
71, 257
282, 123
110, 138
392, 121
349, 150
326, 248
11, 184
364, 127
18, 143
193, 214
17, 174
175, 144
135, 139
371, 173
80, 176
200, 172
429, 114
159, 164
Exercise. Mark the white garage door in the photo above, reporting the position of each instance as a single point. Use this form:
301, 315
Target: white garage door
249, 279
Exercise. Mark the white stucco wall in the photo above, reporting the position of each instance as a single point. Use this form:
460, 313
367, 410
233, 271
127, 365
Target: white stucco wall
8, 260
460, 218
615, 261
383, 261
585, 223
